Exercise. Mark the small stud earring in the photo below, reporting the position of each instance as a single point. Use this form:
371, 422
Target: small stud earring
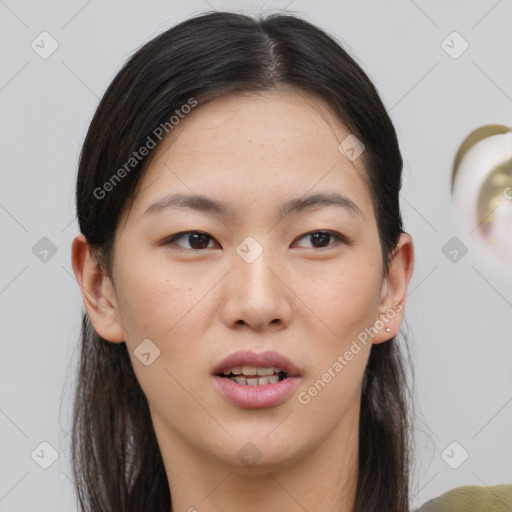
388, 329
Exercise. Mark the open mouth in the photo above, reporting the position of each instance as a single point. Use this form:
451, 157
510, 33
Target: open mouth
254, 376
256, 381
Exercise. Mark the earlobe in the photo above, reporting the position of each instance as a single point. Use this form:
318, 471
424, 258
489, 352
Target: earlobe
394, 290
97, 291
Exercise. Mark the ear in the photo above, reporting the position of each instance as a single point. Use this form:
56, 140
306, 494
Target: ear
394, 290
97, 291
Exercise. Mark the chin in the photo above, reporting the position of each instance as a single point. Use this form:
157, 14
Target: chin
257, 452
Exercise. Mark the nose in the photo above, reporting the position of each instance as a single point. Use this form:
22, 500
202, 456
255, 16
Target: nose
257, 295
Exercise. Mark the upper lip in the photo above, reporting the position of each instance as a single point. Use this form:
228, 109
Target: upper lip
266, 359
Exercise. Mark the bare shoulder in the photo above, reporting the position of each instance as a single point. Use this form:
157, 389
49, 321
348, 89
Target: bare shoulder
472, 498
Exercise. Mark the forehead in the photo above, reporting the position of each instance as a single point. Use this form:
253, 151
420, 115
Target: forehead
255, 147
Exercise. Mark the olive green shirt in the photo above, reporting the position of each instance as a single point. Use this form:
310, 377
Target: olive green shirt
472, 498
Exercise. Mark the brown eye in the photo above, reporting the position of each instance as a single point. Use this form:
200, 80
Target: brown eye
321, 239
197, 240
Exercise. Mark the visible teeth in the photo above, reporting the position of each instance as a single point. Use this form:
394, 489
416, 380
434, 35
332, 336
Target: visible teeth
268, 371
256, 381
237, 370
251, 370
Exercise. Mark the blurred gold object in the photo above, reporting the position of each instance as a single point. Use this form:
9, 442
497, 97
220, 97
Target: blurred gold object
482, 188
493, 194
476, 136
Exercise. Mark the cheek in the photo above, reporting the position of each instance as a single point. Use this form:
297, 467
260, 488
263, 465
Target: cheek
332, 392
344, 297
151, 303
153, 306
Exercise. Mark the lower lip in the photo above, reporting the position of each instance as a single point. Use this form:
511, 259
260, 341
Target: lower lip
256, 397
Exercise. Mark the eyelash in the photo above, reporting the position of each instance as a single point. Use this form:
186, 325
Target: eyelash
173, 238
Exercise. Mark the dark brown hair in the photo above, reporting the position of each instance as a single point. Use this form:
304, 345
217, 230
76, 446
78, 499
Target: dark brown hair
117, 465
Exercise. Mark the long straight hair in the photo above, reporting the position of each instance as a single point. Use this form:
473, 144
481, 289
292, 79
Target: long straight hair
116, 462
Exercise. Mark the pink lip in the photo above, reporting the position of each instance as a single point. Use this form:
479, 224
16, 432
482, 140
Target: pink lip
266, 359
255, 397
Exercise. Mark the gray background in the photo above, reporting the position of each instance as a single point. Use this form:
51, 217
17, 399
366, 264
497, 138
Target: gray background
459, 314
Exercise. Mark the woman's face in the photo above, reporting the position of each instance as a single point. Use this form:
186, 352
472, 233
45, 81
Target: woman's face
305, 282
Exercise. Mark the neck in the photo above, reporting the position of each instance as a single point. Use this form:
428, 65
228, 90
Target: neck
323, 479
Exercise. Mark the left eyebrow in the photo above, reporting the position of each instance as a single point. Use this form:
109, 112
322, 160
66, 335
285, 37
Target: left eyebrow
213, 207
319, 200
